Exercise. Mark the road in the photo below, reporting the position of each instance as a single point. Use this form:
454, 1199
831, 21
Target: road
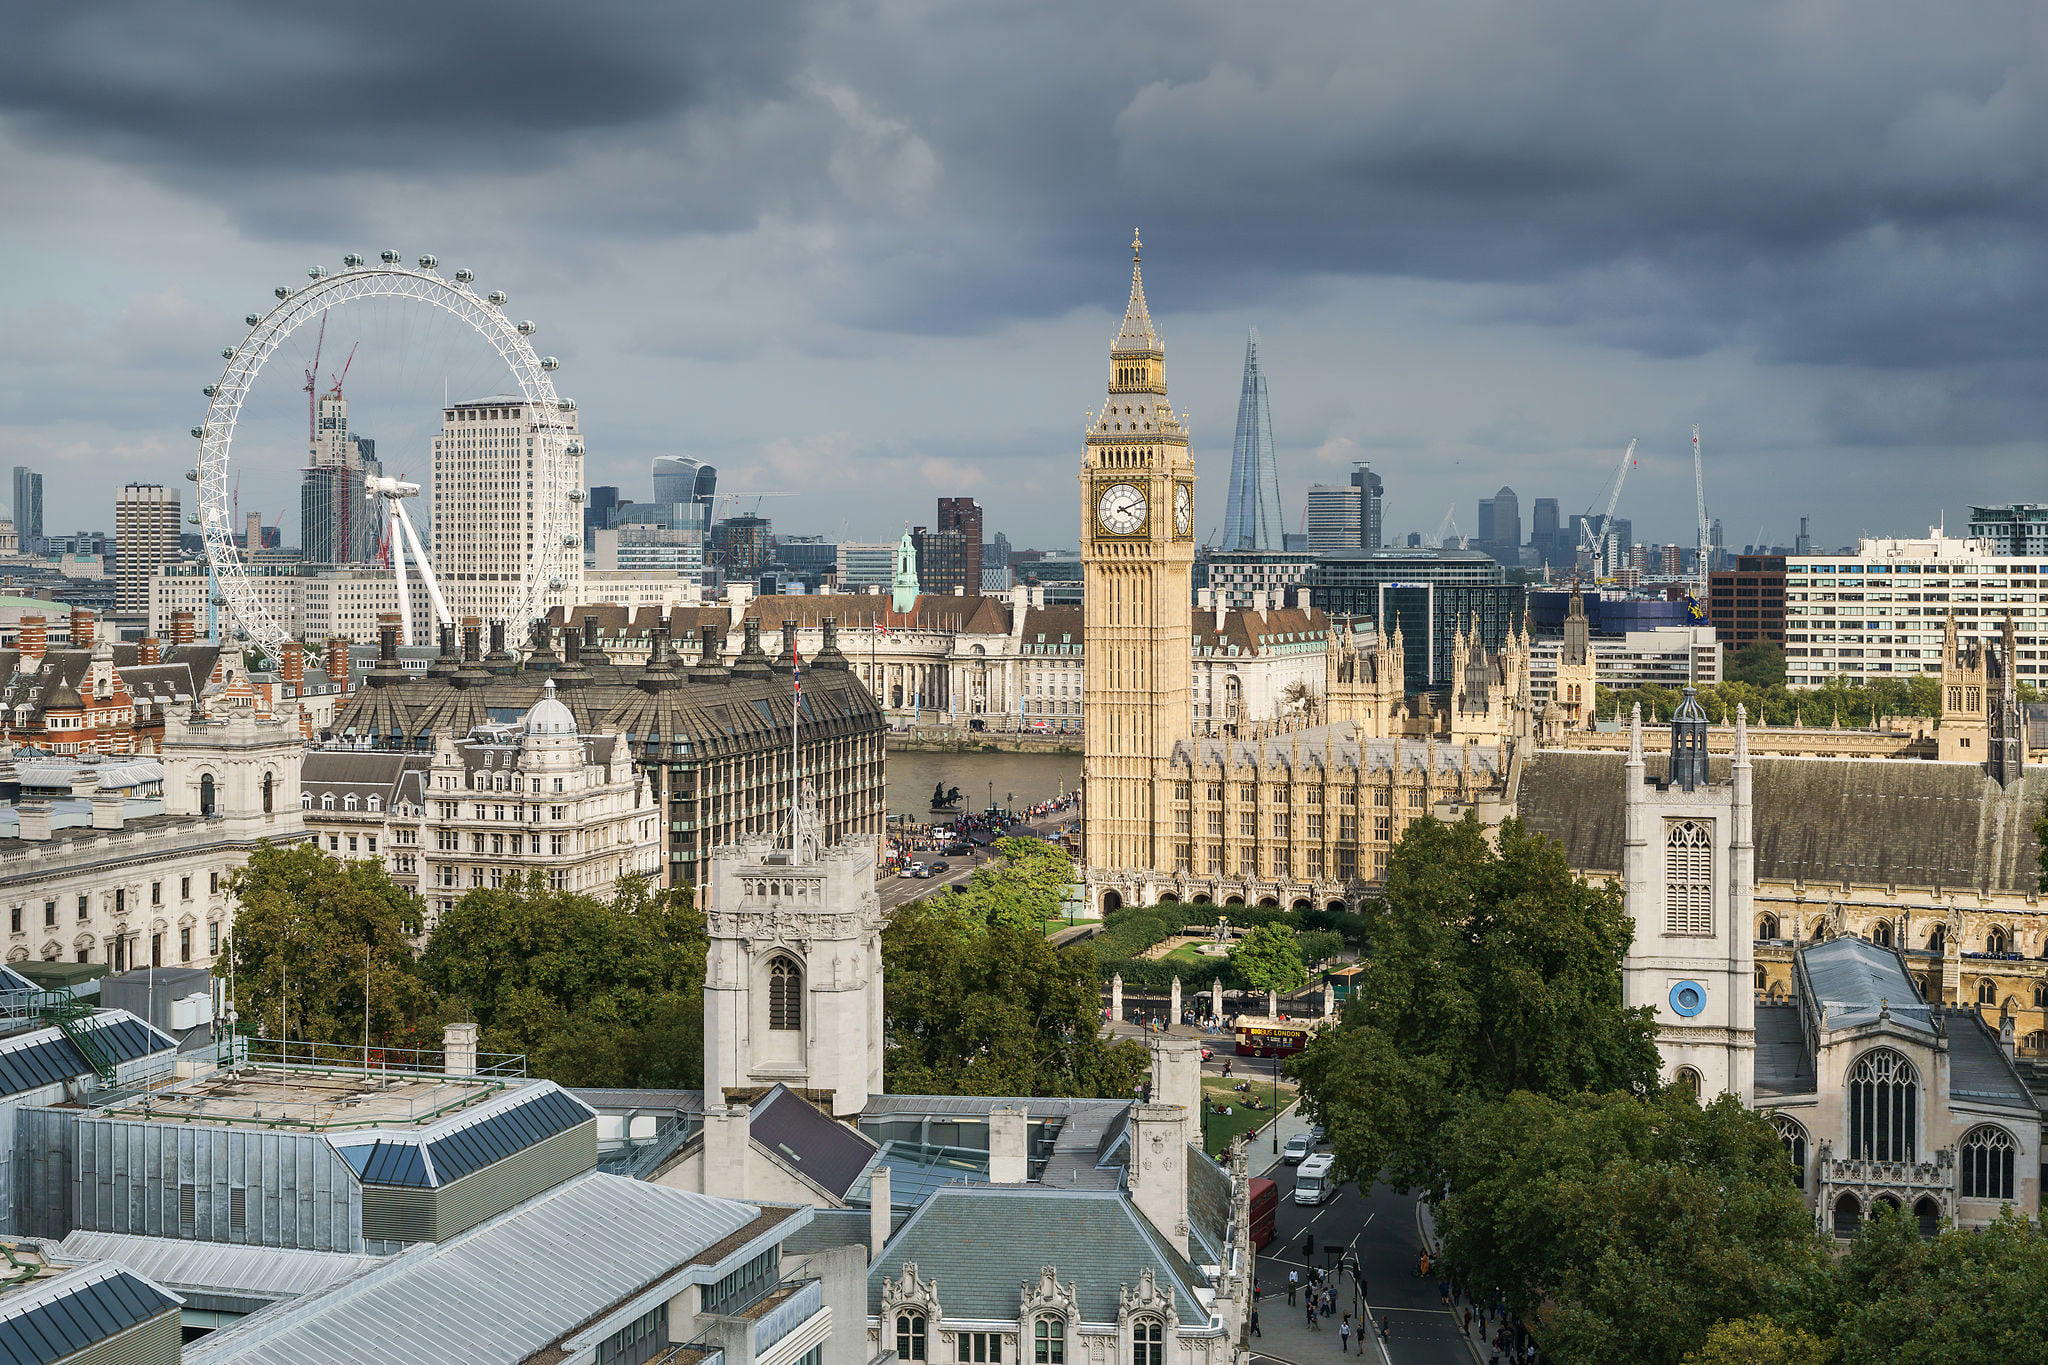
1381, 1229
895, 888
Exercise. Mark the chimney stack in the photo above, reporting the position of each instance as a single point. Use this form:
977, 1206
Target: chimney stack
458, 1050
1177, 1081
35, 637
291, 668
36, 819
150, 651
1158, 1170
182, 629
109, 809
81, 628
880, 1214
1009, 1146
335, 658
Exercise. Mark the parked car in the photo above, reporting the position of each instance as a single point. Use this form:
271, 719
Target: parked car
1297, 1149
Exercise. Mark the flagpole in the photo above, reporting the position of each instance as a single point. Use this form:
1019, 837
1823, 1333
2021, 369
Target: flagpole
796, 753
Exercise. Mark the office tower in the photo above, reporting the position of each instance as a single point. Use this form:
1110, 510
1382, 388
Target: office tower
741, 546
866, 564
964, 516
1485, 529
492, 515
1804, 544
679, 479
146, 522
941, 560
1433, 597
1505, 540
1372, 492
2019, 528
1334, 516
28, 509
597, 513
1251, 517
337, 524
1543, 528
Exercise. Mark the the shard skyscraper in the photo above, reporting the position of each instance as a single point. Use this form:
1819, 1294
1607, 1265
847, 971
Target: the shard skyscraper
1251, 519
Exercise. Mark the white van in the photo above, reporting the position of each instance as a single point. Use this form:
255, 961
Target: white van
1316, 1182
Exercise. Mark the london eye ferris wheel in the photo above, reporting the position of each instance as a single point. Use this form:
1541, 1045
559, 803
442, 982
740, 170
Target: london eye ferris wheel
549, 562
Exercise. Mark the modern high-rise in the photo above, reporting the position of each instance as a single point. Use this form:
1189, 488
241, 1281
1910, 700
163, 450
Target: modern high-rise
866, 564
494, 511
2020, 528
1500, 526
942, 560
337, 524
1545, 530
742, 546
1432, 597
1251, 517
680, 479
1372, 493
964, 516
146, 527
597, 512
1334, 516
28, 509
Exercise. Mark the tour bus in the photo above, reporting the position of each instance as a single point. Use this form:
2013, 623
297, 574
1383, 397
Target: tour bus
1316, 1181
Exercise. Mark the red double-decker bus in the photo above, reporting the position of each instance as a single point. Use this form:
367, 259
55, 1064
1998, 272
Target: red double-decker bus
1265, 1206
1272, 1037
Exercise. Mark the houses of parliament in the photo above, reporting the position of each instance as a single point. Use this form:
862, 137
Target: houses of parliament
1936, 856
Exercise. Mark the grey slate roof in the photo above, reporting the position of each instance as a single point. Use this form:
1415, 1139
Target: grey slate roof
827, 1229
1887, 821
823, 1150
1334, 747
651, 1101
1851, 982
497, 1293
1784, 1063
982, 1243
1209, 1207
1978, 1068
219, 1267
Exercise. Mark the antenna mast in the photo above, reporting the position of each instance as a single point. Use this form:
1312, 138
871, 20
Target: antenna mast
1699, 498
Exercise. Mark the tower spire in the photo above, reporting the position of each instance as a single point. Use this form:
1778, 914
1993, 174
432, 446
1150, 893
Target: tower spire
1137, 335
1251, 518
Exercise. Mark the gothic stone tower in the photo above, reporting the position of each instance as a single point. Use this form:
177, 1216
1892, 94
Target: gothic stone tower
1688, 872
1137, 556
793, 979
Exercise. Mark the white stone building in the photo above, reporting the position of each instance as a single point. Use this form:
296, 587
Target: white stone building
135, 874
1668, 656
488, 458
502, 802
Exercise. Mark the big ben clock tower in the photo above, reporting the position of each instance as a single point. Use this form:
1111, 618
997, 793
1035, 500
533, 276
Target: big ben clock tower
1137, 557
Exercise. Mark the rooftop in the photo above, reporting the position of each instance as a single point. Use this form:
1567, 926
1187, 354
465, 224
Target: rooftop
312, 1099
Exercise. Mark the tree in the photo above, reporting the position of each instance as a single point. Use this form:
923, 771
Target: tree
1490, 970
1269, 959
315, 937
592, 992
1760, 1341
974, 1008
1960, 1298
1761, 663
1629, 1225
1024, 889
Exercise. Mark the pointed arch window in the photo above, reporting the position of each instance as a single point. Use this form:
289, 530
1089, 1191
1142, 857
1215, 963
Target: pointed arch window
1767, 927
1987, 1160
1884, 1107
1793, 1134
1998, 940
1881, 933
1688, 879
1148, 1342
785, 994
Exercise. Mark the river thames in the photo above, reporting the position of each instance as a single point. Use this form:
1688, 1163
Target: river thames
1010, 780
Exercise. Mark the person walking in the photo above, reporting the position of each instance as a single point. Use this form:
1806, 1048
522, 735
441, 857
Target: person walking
1344, 1336
1311, 1313
1422, 1264
1386, 1327
1255, 1324
1293, 1283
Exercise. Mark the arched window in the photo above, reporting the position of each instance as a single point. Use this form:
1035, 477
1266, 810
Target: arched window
1848, 1216
1148, 1342
1881, 933
269, 792
1937, 938
1987, 1156
1793, 1135
1767, 926
206, 794
1884, 1107
2035, 1043
1762, 978
1049, 1342
1987, 992
910, 1336
1927, 1214
2041, 995
1998, 940
1688, 1081
1688, 879
785, 994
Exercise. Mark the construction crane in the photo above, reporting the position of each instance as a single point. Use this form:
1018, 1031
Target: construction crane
335, 392
1597, 544
1447, 529
756, 494
313, 385
1699, 499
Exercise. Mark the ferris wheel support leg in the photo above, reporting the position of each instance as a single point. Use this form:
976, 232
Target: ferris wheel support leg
404, 589
442, 616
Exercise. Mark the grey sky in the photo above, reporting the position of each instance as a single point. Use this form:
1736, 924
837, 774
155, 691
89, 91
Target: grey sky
874, 252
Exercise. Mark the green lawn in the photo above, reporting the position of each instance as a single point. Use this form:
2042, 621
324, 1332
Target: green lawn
1218, 1130
1186, 956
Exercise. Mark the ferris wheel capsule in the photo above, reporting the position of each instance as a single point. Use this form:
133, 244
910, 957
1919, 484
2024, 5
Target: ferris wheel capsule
192, 475
210, 390
496, 296
573, 448
315, 272
548, 362
352, 261
389, 257
528, 328
197, 432
565, 404
465, 276
282, 291
570, 542
252, 319
228, 352
575, 494
429, 262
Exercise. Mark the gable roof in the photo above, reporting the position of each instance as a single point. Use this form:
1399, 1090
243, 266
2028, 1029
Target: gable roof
797, 1133
982, 1243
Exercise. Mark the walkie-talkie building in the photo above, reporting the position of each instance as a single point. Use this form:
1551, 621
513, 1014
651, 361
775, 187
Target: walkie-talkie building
1251, 519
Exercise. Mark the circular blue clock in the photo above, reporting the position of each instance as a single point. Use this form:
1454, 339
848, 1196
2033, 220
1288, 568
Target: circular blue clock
1688, 998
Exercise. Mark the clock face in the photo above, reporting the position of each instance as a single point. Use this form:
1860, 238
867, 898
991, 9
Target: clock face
1121, 509
1183, 510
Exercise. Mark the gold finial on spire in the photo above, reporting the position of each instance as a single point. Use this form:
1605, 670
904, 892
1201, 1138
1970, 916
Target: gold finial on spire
1136, 245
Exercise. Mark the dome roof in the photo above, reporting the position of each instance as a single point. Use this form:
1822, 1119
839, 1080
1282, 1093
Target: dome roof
548, 716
